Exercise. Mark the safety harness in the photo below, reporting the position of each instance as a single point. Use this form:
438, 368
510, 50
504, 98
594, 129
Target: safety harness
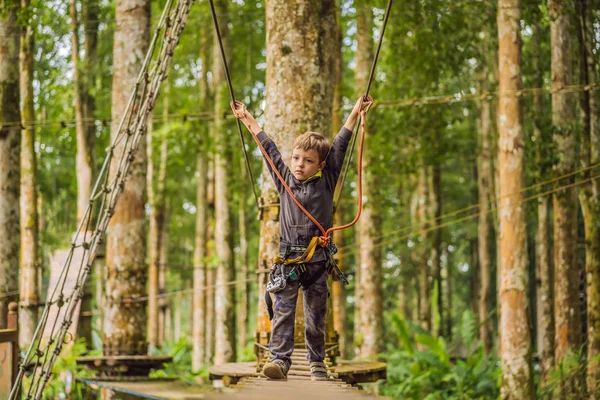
285, 268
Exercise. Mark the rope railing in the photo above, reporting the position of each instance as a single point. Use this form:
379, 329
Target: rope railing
399, 103
48, 339
477, 205
350, 249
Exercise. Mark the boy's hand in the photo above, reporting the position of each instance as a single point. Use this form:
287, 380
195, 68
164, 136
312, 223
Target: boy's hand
239, 109
363, 103
240, 112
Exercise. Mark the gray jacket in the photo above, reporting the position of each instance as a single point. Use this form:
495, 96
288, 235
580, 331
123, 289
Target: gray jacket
315, 194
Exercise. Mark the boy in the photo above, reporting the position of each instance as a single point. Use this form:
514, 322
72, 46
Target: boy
312, 177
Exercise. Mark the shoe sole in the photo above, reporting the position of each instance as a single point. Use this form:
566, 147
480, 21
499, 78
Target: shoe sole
274, 372
316, 378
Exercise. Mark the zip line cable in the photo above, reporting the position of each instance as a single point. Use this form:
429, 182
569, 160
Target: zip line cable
340, 186
239, 125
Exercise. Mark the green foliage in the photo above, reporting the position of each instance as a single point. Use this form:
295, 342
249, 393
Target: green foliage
567, 380
62, 382
427, 370
181, 366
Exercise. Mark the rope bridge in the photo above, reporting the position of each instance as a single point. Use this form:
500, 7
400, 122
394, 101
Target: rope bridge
50, 336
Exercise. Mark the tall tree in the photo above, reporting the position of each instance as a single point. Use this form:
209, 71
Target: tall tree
198, 327
224, 292
209, 348
589, 194
419, 214
242, 325
515, 337
566, 271
126, 242
30, 261
200, 270
83, 80
544, 297
156, 199
484, 179
298, 35
371, 299
10, 137
337, 287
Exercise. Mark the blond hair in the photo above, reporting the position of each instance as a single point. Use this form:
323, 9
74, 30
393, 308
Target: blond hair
313, 141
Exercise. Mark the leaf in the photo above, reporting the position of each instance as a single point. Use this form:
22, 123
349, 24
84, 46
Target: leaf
403, 334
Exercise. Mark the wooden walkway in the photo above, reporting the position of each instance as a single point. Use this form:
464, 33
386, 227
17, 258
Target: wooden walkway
297, 386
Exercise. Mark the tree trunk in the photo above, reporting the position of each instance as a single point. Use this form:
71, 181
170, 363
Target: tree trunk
244, 286
209, 347
198, 330
369, 261
449, 275
30, 261
589, 194
422, 195
126, 242
515, 347
163, 302
298, 34
544, 296
436, 243
338, 290
10, 136
225, 347
85, 136
566, 277
156, 199
484, 179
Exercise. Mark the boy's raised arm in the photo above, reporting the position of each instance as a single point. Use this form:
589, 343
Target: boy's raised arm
341, 141
267, 143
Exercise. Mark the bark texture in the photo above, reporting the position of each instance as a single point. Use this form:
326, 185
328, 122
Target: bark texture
200, 246
484, 179
589, 194
30, 261
436, 243
225, 346
566, 271
515, 346
244, 287
126, 241
338, 290
544, 295
369, 262
210, 270
156, 198
10, 136
300, 56
422, 257
83, 80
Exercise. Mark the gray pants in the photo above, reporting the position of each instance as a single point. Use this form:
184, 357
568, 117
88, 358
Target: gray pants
315, 309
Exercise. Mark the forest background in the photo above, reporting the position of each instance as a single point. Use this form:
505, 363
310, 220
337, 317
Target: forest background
428, 245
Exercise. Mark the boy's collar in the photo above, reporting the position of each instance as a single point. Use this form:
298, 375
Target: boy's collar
317, 174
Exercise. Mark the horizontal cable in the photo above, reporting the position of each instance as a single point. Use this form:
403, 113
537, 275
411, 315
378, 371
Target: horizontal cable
353, 249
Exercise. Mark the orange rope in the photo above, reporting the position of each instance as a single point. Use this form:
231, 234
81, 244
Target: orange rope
325, 233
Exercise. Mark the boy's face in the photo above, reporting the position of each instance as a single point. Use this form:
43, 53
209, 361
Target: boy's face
305, 163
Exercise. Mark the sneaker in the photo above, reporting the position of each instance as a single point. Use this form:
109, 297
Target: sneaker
318, 371
276, 369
